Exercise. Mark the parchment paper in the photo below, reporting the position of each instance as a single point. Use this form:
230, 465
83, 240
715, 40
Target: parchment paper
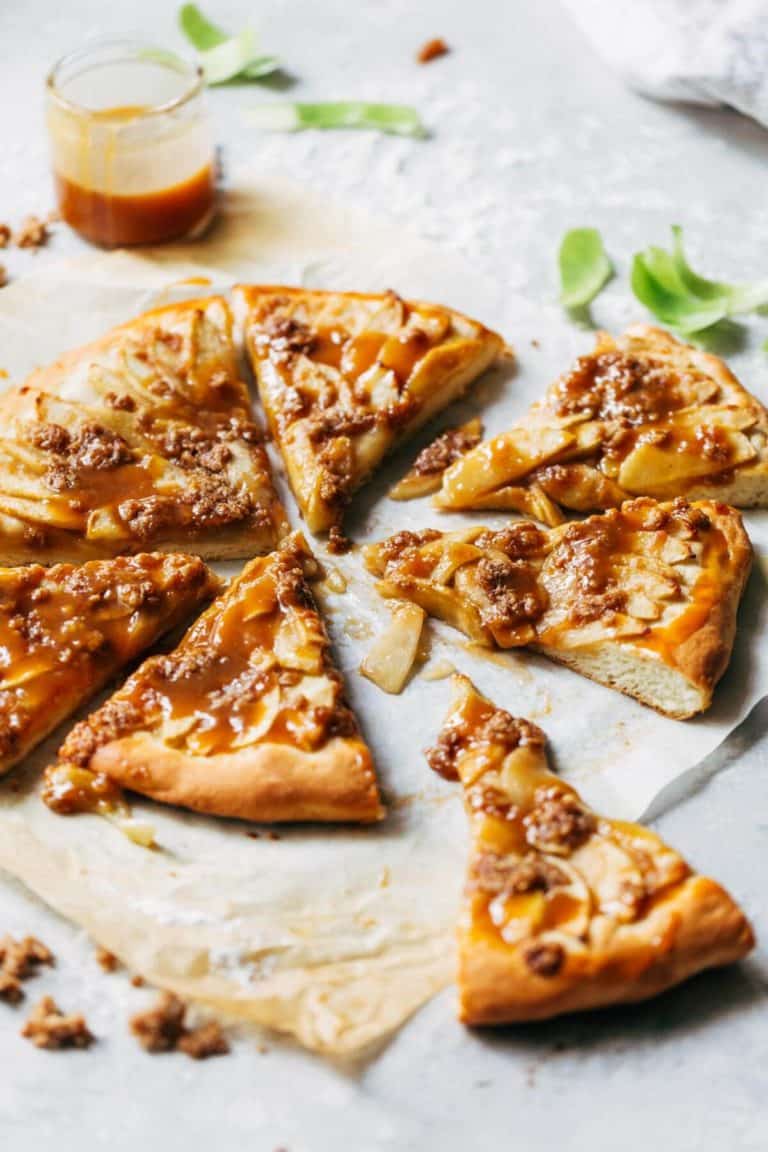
336, 935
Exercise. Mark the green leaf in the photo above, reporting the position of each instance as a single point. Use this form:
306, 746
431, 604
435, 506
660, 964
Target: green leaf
674, 293
656, 285
198, 29
584, 267
224, 58
394, 119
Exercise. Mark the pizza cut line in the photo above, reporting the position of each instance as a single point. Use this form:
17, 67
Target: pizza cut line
65, 631
642, 598
641, 415
246, 718
142, 440
565, 910
344, 378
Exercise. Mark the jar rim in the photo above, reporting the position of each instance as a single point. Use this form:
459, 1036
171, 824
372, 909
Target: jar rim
125, 49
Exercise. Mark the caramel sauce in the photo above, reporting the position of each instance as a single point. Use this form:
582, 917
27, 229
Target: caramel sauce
216, 679
111, 219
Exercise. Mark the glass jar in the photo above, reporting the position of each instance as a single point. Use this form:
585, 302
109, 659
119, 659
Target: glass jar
131, 144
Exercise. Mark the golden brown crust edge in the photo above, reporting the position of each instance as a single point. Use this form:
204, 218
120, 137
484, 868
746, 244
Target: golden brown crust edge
703, 658
700, 927
40, 378
270, 783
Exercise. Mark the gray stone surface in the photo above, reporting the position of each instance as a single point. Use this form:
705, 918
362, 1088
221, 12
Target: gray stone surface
532, 134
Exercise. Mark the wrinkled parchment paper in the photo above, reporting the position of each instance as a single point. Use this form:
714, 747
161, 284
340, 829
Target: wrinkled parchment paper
337, 935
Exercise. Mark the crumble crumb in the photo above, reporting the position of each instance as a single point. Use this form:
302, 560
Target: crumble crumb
10, 988
432, 50
107, 960
338, 543
20, 959
203, 1042
48, 1027
33, 233
137, 981
5, 235
3, 276
162, 1029
159, 1029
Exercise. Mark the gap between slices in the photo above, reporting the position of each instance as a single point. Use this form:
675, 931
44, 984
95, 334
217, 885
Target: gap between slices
141, 440
564, 909
65, 630
641, 415
642, 598
345, 377
246, 718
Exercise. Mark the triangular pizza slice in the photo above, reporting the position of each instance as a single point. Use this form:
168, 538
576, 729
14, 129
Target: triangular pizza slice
642, 598
565, 909
344, 378
641, 415
65, 631
246, 718
142, 440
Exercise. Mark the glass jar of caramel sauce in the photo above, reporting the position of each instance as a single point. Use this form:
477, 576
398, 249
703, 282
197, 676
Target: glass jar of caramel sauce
131, 144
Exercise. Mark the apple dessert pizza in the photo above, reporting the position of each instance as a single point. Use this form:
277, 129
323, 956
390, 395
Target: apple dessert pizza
564, 909
641, 415
345, 378
142, 440
642, 598
65, 631
245, 718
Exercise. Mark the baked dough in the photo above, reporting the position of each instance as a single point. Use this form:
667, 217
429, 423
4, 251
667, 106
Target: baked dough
246, 718
642, 415
141, 440
642, 598
344, 378
564, 909
64, 631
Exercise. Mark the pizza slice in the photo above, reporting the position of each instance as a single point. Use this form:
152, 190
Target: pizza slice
246, 718
65, 631
642, 598
564, 909
642, 415
142, 440
345, 378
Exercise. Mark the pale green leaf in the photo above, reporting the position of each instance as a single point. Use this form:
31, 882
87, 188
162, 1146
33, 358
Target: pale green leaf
584, 267
394, 119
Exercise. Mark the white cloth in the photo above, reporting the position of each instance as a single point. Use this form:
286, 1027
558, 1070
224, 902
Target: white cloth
709, 52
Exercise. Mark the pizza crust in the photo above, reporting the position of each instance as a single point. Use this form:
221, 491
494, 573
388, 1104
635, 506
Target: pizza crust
642, 415
699, 927
346, 377
142, 439
660, 632
246, 718
269, 783
565, 910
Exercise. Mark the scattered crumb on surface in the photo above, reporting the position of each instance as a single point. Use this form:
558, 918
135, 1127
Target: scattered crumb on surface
49, 1027
10, 988
535, 344
253, 835
5, 235
159, 1029
137, 981
3, 276
32, 233
107, 960
432, 50
22, 958
162, 1029
203, 1042
273, 836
